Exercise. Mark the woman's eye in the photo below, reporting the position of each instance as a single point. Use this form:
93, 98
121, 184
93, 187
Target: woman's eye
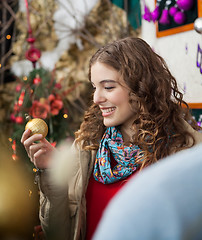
108, 88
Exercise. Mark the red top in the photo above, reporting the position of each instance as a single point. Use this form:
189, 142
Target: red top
98, 196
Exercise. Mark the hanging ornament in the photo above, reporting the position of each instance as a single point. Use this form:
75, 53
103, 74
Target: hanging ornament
165, 20
37, 126
19, 119
147, 14
156, 13
198, 25
37, 80
185, 4
18, 88
12, 117
32, 54
179, 17
173, 10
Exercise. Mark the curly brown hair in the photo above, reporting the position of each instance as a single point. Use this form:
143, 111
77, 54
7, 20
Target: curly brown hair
158, 105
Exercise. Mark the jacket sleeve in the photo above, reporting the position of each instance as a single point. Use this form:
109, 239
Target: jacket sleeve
54, 208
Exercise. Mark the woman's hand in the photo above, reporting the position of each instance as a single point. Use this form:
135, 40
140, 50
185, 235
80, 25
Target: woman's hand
38, 149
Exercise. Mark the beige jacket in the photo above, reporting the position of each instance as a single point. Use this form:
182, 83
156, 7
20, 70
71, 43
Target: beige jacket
63, 209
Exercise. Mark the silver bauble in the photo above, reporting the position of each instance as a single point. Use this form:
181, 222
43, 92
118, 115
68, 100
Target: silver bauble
198, 25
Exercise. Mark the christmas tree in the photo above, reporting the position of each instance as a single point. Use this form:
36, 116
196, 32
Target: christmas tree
39, 96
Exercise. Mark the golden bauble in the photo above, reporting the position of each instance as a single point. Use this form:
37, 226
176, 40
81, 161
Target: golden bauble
37, 126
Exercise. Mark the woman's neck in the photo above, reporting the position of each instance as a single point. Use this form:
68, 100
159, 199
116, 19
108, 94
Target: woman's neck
127, 134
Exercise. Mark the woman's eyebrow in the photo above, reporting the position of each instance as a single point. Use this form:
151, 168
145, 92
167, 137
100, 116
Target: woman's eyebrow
105, 81
108, 81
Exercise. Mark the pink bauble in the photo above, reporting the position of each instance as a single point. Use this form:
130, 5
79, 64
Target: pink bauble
155, 14
185, 4
164, 20
147, 14
179, 17
173, 10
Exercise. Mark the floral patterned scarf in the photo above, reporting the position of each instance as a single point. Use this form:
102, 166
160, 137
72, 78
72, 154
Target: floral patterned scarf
112, 145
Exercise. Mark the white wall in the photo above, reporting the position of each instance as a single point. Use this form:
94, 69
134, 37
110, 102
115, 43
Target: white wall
182, 62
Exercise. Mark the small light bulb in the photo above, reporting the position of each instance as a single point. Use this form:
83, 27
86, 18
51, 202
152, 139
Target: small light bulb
30, 193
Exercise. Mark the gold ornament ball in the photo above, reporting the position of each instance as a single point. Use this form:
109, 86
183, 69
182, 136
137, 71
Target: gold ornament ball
37, 126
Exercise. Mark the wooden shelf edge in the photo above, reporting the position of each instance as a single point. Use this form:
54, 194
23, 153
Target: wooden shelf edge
195, 105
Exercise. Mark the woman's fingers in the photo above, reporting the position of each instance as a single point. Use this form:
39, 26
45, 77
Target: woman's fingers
38, 149
40, 159
34, 138
34, 148
25, 135
28, 142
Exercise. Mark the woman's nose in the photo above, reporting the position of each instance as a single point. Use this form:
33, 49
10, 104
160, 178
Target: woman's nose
98, 97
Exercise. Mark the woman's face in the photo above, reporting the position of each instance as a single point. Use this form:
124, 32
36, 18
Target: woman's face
111, 96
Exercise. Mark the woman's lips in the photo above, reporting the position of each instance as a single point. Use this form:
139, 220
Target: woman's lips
107, 111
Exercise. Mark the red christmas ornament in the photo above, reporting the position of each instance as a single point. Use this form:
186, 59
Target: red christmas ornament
32, 54
12, 117
36, 80
18, 88
58, 86
19, 120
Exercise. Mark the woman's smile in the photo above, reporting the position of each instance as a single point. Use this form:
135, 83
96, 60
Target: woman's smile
107, 111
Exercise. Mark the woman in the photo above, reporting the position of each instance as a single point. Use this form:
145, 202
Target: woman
137, 118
